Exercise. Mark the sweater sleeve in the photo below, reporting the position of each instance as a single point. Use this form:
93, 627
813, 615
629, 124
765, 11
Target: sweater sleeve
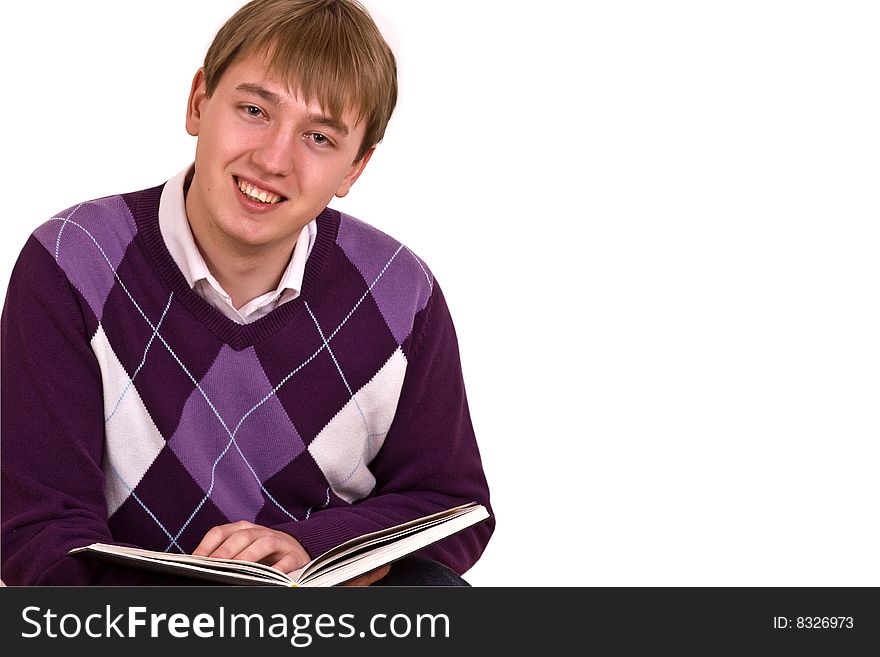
430, 460
52, 430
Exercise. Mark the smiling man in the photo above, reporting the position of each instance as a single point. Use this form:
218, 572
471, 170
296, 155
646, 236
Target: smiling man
225, 365
267, 162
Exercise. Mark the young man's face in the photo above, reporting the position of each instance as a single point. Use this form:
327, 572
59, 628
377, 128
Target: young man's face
267, 162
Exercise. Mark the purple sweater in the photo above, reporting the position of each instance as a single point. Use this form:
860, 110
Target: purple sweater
133, 412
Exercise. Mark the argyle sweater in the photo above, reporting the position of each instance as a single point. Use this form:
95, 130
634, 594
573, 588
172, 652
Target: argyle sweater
133, 412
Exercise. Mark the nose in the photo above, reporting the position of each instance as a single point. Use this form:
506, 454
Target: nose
274, 152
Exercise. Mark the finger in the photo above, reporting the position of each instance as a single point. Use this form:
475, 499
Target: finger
291, 556
233, 545
235, 542
290, 562
255, 546
214, 538
277, 550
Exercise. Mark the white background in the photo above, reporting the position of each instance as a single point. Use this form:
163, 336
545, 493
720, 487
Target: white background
656, 225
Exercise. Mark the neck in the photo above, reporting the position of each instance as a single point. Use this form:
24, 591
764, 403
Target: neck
245, 276
244, 271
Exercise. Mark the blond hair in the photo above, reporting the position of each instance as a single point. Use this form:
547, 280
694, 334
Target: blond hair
328, 50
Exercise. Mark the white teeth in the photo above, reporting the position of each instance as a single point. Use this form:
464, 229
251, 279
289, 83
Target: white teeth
257, 194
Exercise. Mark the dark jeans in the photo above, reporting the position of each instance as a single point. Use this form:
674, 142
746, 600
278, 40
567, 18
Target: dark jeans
419, 571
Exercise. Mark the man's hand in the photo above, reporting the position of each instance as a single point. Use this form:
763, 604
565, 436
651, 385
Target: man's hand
245, 540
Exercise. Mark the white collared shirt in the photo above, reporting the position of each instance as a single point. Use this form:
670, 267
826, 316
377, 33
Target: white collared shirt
176, 232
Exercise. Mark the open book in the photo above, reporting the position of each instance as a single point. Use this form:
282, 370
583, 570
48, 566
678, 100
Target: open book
340, 564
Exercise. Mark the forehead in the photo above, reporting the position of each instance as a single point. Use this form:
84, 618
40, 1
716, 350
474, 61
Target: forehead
256, 71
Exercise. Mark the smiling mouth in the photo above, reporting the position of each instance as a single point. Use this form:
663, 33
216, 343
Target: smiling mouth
254, 193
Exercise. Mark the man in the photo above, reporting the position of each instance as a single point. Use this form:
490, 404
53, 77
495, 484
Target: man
224, 365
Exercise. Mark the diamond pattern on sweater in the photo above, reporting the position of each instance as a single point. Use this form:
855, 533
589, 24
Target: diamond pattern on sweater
132, 440
158, 513
199, 434
389, 269
313, 391
348, 443
235, 434
106, 226
165, 379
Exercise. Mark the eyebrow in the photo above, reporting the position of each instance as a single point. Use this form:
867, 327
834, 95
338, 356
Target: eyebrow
262, 92
330, 122
275, 99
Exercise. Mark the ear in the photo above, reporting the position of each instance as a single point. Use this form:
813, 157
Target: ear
197, 97
354, 173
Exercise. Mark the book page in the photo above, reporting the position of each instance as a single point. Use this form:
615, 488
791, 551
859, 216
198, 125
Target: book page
361, 556
385, 535
230, 569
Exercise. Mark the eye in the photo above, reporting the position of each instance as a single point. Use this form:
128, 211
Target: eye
319, 139
253, 110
